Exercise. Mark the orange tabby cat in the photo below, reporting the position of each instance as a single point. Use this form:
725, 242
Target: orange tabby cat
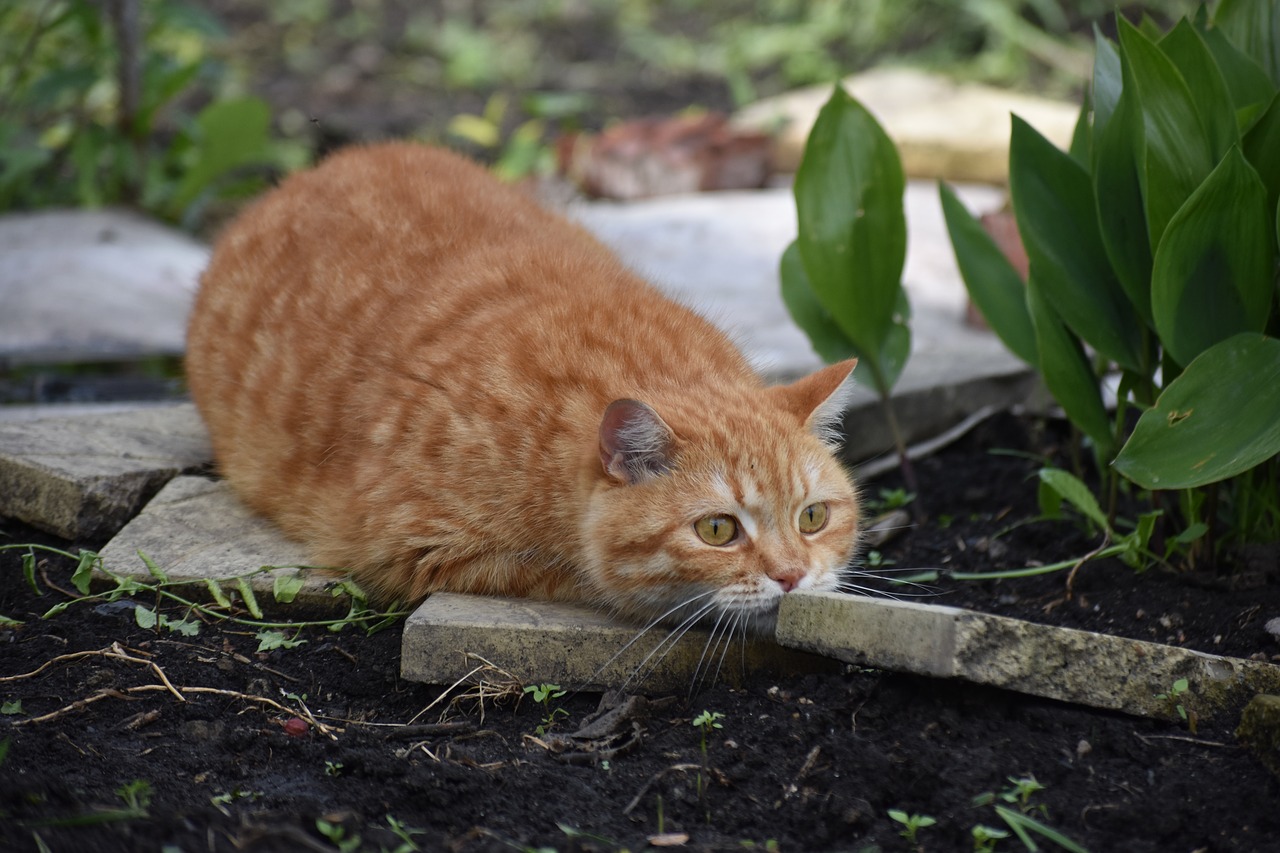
424, 376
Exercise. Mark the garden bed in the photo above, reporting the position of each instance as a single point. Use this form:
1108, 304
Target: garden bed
812, 763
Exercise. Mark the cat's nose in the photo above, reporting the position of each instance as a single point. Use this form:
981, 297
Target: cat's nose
787, 578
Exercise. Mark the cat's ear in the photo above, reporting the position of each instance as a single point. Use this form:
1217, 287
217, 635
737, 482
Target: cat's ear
635, 443
821, 398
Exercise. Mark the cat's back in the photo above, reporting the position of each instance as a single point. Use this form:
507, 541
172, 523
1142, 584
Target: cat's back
398, 301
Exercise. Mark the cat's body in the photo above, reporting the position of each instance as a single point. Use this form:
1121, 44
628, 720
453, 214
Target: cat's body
409, 366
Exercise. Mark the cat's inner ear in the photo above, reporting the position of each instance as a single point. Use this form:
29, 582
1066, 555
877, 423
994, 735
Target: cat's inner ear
635, 443
821, 398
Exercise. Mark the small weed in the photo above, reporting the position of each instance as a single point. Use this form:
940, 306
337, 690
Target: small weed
985, 838
405, 833
705, 723
876, 560
543, 694
1177, 704
11, 707
333, 768
911, 823
890, 499
221, 801
337, 835
1019, 820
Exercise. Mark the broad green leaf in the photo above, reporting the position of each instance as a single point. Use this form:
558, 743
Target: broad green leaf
1214, 275
1072, 490
82, 577
993, 284
145, 616
1209, 92
1053, 201
185, 627
1117, 185
827, 339
1108, 81
1066, 369
853, 234
229, 134
1262, 149
1081, 148
1254, 27
895, 348
1220, 418
285, 588
1245, 78
1176, 148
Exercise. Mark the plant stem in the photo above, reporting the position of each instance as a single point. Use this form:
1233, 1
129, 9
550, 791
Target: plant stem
899, 442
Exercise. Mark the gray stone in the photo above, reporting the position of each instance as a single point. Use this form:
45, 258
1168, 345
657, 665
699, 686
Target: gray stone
196, 528
84, 477
575, 647
1098, 670
1259, 730
942, 128
83, 285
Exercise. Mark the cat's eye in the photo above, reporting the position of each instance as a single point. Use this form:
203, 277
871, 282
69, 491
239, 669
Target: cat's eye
813, 518
716, 529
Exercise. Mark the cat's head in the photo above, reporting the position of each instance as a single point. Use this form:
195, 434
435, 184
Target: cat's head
722, 506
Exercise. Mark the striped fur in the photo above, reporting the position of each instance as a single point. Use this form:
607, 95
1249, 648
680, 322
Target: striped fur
405, 364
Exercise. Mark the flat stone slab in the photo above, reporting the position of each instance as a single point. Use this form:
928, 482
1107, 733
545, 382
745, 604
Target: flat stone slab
196, 528
1082, 667
93, 284
84, 477
449, 636
943, 128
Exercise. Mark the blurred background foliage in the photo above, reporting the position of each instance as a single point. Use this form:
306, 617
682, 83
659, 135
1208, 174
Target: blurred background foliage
230, 92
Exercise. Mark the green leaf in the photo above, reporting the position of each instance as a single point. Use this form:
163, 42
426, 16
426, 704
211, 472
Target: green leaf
1214, 276
285, 588
1066, 369
1209, 93
55, 609
11, 706
1262, 150
216, 593
827, 339
1081, 148
1176, 147
1053, 201
1221, 417
1245, 78
9, 622
1254, 26
1117, 184
1108, 80
229, 134
992, 282
1072, 490
82, 577
271, 639
853, 237
156, 571
29, 570
185, 627
250, 600
145, 616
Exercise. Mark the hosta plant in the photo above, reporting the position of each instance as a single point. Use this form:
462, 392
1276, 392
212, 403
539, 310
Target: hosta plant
1153, 250
842, 277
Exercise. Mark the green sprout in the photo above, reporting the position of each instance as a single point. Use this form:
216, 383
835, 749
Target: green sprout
911, 823
543, 694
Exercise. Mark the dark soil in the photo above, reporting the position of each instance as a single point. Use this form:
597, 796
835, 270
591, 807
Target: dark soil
803, 764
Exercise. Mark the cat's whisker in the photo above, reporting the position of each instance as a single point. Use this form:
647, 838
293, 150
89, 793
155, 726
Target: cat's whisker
646, 629
875, 592
643, 669
739, 621
711, 636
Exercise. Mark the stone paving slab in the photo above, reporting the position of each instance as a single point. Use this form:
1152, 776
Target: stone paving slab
1082, 667
93, 285
943, 128
84, 477
575, 647
196, 528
